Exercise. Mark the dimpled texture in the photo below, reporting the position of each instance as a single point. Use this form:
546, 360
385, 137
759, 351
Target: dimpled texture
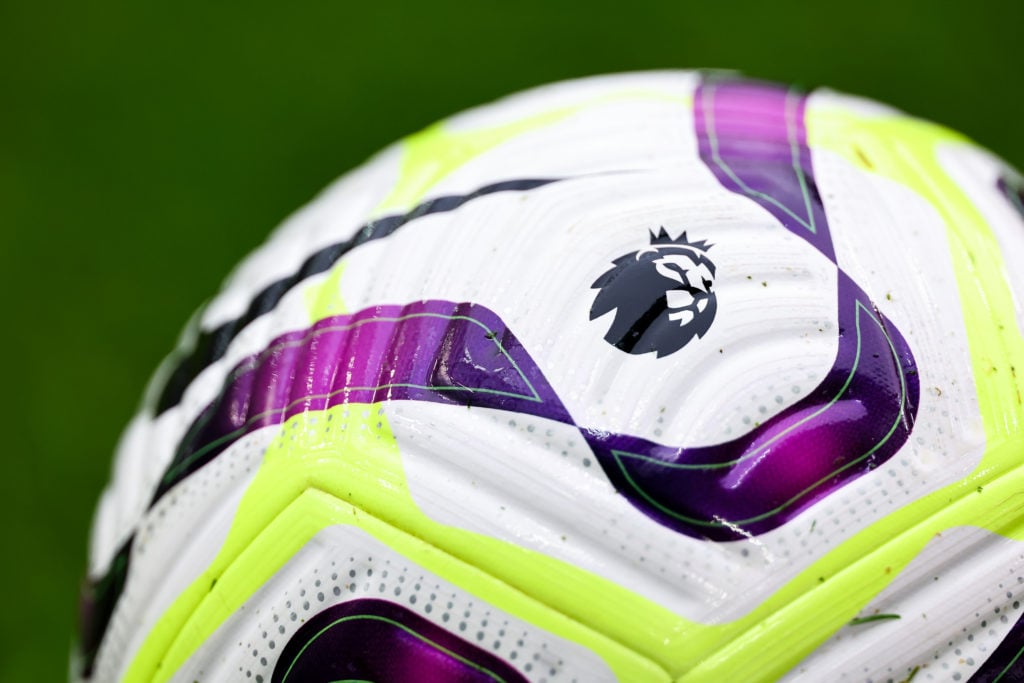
658, 376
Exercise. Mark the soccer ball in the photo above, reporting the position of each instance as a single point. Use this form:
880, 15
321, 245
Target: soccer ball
649, 377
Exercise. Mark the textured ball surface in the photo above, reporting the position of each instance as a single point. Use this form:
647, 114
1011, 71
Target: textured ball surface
650, 377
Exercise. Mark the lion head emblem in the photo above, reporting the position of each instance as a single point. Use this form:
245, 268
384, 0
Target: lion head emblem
662, 296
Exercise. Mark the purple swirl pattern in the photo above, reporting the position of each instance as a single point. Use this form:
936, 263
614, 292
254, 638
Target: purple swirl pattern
463, 354
380, 641
458, 353
211, 345
753, 138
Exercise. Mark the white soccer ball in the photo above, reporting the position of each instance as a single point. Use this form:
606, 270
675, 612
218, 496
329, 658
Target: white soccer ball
649, 377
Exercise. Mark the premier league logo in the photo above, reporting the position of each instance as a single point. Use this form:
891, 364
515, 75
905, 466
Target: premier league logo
662, 296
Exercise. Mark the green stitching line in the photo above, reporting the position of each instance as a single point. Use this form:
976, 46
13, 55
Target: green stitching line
718, 523
414, 634
1008, 666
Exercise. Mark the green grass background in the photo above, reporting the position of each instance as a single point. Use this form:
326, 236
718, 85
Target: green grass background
146, 147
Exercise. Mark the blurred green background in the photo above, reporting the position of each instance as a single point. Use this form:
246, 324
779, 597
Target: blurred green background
145, 148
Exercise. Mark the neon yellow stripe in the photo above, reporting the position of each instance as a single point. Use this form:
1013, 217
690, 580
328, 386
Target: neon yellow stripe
437, 151
342, 466
360, 464
323, 298
821, 600
374, 478
904, 150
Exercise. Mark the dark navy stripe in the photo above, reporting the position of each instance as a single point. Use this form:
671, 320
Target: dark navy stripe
213, 344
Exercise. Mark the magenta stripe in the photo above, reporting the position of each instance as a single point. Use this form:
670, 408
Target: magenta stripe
753, 137
429, 351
